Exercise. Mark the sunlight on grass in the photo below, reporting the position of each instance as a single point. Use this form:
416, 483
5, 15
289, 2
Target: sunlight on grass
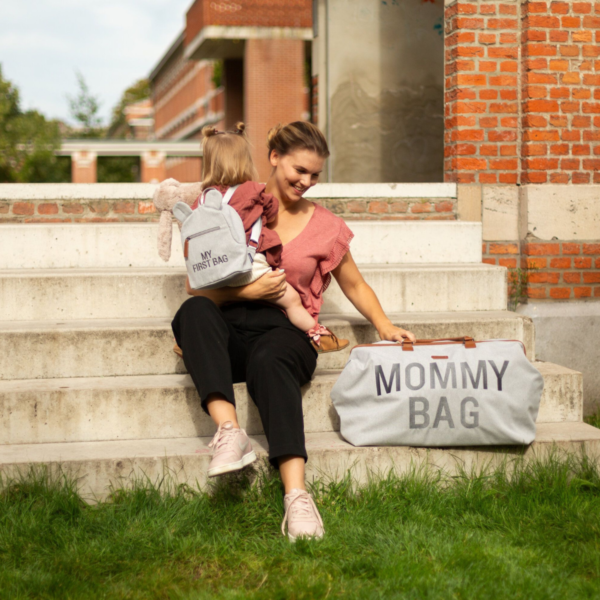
525, 531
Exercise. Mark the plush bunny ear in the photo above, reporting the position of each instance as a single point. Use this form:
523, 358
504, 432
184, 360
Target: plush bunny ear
181, 211
213, 199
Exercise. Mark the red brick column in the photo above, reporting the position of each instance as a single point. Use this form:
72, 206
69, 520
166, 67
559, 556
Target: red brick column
274, 91
83, 167
522, 92
481, 91
561, 92
154, 167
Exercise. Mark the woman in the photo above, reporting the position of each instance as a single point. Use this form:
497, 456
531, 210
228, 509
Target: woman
228, 336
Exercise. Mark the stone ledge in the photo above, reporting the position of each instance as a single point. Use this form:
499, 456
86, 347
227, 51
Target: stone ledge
144, 191
126, 209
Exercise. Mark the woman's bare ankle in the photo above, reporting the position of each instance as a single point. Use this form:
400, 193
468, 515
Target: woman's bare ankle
291, 469
221, 410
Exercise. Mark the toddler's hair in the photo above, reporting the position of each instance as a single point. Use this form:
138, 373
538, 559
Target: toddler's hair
299, 135
226, 159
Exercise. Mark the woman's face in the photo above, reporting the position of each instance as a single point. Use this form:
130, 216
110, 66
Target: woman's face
295, 173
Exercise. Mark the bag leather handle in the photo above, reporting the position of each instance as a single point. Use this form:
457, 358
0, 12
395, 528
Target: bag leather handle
408, 346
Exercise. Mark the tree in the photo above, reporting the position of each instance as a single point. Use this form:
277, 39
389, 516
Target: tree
84, 108
140, 90
27, 142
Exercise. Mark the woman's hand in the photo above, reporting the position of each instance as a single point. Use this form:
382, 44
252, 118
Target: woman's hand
391, 333
271, 286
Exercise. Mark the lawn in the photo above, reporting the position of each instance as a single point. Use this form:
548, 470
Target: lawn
533, 535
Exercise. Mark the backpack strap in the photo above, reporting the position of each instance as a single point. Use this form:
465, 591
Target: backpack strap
226, 198
256, 228
229, 193
254, 237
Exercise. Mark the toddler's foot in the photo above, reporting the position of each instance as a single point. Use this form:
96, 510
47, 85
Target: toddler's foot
232, 450
324, 340
302, 516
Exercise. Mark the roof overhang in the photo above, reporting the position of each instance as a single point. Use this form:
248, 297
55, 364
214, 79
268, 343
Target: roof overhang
130, 147
218, 42
167, 55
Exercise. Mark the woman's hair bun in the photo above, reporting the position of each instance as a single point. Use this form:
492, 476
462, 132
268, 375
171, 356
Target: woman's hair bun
240, 127
209, 131
273, 133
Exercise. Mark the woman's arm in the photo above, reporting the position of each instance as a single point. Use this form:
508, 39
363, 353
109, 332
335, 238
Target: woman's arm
360, 293
271, 286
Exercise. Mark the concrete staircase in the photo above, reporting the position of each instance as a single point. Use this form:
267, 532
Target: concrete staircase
90, 383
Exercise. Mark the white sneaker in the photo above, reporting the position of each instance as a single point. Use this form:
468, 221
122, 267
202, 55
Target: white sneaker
302, 516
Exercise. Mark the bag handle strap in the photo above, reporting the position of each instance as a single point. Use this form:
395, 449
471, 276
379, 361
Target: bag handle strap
468, 342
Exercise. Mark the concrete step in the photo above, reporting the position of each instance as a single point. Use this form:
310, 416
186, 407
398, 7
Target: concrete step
155, 293
98, 466
106, 348
134, 245
167, 406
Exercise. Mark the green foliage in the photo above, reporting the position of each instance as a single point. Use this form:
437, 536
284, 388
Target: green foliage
118, 169
217, 74
84, 108
27, 142
140, 90
521, 531
518, 280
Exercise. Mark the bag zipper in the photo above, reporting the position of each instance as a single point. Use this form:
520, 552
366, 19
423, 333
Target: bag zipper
195, 235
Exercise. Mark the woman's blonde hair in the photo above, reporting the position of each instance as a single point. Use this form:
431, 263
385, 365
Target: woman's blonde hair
299, 135
226, 157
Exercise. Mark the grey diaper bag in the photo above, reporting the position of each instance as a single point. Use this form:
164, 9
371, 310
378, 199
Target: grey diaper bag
214, 240
455, 392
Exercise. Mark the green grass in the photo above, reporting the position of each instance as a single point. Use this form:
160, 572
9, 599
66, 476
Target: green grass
535, 534
593, 419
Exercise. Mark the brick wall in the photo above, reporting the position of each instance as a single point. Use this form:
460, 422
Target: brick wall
247, 13
562, 270
281, 63
481, 92
553, 270
522, 94
561, 92
126, 210
393, 209
77, 211
184, 96
185, 170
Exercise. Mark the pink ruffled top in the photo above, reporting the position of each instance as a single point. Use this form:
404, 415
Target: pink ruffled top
309, 258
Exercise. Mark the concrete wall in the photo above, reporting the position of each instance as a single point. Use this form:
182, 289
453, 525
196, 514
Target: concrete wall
380, 67
567, 333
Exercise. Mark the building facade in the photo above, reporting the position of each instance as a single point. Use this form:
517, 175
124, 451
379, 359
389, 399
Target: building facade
233, 62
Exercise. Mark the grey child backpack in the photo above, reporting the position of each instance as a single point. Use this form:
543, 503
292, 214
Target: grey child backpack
214, 240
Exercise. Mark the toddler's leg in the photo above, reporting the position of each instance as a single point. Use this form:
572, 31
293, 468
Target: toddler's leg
296, 313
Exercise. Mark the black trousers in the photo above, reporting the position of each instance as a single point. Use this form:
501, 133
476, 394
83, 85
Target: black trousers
255, 343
